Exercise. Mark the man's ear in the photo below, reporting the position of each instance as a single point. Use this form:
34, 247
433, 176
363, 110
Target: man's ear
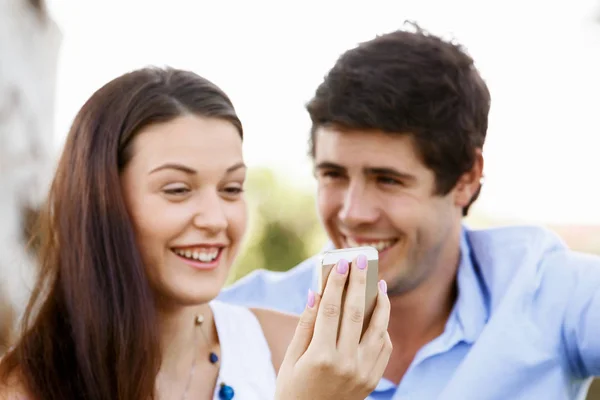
468, 185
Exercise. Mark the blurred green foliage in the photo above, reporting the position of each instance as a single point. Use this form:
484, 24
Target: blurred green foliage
283, 225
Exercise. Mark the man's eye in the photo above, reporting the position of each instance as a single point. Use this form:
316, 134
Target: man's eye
331, 174
388, 181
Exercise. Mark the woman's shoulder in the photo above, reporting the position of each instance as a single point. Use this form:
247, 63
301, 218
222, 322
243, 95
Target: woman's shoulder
13, 388
278, 328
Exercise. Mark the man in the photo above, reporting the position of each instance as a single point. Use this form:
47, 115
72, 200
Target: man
399, 124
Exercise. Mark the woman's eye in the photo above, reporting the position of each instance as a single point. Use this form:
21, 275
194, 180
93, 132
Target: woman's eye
233, 190
175, 191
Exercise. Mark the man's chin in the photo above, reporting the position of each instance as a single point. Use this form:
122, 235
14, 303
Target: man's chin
402, 282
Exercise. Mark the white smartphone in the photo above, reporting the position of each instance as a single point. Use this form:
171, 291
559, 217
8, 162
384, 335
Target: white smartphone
330, 258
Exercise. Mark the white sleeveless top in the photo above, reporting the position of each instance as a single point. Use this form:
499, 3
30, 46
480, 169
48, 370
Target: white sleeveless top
245, 361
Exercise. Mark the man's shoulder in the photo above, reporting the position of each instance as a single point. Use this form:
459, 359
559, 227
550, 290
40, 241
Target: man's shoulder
533, 258
531, 245
515, 237
514, 245
284, 291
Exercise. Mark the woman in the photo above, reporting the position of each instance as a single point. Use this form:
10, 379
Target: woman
144, 218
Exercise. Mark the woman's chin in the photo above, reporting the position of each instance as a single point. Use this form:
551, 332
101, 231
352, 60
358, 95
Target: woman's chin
196, 297
189, 296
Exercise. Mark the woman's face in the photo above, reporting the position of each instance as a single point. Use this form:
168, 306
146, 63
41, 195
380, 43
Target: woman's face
184, 192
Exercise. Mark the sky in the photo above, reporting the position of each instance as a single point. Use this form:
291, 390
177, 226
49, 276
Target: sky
540, 61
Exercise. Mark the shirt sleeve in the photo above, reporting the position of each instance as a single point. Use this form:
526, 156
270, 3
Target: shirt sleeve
581, 325
280, 291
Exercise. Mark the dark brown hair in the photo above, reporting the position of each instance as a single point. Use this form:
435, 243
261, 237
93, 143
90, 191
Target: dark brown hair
411, 83
90, 329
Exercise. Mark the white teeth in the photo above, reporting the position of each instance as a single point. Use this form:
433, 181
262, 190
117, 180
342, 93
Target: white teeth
379, 245
203, 255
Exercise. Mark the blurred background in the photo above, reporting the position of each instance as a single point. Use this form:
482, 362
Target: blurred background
540, 59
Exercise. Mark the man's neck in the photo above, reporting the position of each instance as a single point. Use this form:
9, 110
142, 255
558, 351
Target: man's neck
420, 315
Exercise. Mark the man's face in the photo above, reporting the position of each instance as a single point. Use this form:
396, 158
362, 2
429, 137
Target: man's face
374, 190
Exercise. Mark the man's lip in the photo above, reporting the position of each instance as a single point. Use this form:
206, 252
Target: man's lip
381, 245
367, 240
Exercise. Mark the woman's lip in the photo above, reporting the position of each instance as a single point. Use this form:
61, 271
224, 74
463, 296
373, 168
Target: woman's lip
200, 246
200, 264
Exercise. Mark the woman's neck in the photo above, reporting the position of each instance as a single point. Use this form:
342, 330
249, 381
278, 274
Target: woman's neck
183, 340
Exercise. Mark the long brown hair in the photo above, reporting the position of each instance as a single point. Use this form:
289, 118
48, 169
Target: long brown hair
90, 329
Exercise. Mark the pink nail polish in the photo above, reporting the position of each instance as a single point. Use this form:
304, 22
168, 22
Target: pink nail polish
342, 266
383, 286
311, 299
361, 261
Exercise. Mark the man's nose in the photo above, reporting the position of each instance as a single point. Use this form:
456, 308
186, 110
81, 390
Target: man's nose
358, 207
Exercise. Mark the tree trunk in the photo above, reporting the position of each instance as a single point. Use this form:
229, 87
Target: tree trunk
29, 44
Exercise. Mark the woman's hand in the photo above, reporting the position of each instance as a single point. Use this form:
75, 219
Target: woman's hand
328, 359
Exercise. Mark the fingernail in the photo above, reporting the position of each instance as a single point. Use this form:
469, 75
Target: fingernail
342, 266
361, 261
383, 286
311, 299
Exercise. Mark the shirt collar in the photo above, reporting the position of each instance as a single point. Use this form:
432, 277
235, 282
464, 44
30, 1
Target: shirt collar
472, 303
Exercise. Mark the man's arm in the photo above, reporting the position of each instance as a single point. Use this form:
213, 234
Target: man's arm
278, 328
581, 326
281, 291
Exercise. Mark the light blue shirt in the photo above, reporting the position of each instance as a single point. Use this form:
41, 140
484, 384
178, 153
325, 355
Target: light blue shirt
525, 325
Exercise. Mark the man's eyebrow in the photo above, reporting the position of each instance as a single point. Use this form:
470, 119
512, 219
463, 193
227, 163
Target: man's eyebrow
389, 172
392, 172
329, 165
